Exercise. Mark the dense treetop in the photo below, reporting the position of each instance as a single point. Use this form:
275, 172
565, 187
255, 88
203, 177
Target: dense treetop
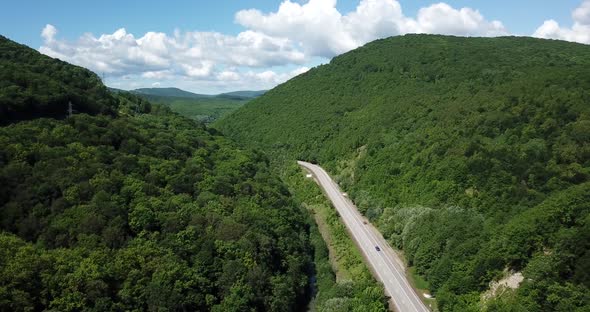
472, 154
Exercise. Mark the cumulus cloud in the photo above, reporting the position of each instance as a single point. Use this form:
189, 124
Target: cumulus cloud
264, 78
48, 32
159, 74
323, 31
582, 13
228, 75
579, 32
441, 18
157, 55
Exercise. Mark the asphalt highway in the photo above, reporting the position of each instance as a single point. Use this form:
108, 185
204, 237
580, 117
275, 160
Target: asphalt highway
383, 261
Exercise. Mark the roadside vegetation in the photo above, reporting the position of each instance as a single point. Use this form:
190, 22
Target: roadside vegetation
351, 287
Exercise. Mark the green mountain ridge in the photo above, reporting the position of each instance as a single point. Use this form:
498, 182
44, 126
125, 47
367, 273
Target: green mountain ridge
33, 85
127, 206
471, 154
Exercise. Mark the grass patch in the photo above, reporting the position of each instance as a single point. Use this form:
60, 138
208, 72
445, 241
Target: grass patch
422, 286
417, 280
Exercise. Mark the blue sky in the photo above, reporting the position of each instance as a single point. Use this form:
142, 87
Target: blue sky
215, 46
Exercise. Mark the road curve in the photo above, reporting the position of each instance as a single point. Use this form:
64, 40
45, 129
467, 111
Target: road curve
385, 264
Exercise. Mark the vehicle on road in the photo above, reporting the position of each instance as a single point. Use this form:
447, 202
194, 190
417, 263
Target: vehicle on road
377, 248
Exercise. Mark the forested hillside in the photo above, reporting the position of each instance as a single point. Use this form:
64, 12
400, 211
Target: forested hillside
134, 209
33, 85
472, 155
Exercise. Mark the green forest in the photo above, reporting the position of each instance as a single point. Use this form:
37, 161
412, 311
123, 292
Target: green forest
472, 155
127, 206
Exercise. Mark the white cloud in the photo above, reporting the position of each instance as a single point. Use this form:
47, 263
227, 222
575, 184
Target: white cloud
157, 55
48, 32
205, 61
582, 13
267, 78
160, 74
579, 32
228, 75
323, 31
201, 70
117, 54
316, 25
443, 19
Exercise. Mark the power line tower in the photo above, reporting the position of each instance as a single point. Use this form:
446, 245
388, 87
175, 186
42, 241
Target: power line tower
70, 109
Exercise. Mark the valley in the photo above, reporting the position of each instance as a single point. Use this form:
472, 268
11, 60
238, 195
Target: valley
200, 107
366, 162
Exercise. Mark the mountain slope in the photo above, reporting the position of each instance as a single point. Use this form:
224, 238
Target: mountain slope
463, 150
138, 209
34, 85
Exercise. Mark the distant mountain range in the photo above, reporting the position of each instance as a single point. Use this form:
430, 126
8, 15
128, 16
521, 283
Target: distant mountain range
170, 92
179, 93
203, 107
242, 94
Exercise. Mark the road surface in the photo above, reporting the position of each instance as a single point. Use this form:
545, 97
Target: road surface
385, 264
